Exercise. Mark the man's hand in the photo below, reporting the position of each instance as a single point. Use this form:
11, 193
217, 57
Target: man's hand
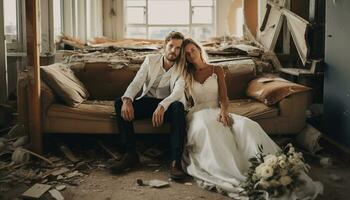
127, 111
158, 116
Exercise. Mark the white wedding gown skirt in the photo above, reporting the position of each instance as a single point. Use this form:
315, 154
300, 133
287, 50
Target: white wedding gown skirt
218, 156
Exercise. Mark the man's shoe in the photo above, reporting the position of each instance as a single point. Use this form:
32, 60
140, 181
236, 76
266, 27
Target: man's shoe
176, 171
128, 161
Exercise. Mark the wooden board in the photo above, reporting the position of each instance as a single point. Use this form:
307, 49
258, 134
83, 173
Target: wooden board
274, 21
298, 28
36, 191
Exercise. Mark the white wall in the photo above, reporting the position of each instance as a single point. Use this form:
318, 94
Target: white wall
222, 13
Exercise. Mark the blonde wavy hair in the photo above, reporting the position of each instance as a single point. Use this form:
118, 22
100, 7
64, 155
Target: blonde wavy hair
187, 69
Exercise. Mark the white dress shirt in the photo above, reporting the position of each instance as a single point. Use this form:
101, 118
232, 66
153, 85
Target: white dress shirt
161, 86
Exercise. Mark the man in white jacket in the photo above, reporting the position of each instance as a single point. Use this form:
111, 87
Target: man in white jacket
162, 86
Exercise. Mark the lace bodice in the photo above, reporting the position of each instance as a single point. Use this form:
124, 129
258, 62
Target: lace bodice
206, 92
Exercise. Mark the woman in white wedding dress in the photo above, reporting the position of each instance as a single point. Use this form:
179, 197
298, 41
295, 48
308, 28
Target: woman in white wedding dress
219, 144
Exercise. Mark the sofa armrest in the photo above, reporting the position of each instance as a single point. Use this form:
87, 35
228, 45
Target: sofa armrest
293, 109
47, 98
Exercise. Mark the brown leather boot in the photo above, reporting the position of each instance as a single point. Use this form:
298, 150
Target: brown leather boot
128, 161
176, 171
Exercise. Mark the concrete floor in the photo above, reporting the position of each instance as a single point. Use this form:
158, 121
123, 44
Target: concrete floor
100, 184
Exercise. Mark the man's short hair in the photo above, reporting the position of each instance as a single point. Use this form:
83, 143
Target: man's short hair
174, 35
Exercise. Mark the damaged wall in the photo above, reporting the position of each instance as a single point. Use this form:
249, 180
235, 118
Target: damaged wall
337, 72
233, 18
251, 15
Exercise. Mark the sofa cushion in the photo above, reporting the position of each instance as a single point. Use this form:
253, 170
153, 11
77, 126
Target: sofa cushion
252, 109
89, 110
270, 90
64, 83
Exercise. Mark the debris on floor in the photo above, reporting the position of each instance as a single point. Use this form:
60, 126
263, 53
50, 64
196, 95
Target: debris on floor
152, 183
308, 139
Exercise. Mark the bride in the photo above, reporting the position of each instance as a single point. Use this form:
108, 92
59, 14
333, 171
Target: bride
219, 144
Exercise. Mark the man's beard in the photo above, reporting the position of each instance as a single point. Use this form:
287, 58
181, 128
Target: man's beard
171, 57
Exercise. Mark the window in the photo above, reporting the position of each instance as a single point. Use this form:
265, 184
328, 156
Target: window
57, 18
10, 19
82, 19
153, 19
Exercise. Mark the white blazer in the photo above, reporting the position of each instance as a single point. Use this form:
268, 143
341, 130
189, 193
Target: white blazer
146, 76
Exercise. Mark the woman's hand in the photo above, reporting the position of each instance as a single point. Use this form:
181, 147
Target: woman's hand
225, 118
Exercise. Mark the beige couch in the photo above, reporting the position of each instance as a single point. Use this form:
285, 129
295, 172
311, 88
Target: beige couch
105, 84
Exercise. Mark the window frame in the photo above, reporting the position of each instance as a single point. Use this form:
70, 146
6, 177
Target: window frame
76, 22
18, 46
190, 25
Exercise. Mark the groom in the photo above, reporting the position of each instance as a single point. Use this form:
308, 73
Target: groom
161, 86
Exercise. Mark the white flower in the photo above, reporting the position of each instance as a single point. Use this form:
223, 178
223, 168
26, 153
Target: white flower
270, 160
291, 150
282, 164
267, 172
258, 169
285, 180
282, 157
293, 160
264, 184
264, 171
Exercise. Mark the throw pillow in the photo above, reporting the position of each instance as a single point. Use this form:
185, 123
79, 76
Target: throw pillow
270, 90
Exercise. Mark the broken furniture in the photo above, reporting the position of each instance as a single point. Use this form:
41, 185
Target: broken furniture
104, 84
308, 36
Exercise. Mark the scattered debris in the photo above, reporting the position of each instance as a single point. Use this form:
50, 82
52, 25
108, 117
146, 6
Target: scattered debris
21, 141
20, 156
60, 187
60, 171
68, 153
335, 177
188, 184
308, 139
152, 152
17, 131
22, 151
36, 191
56, 194
326, 162
74, 174
152, 183
109, 151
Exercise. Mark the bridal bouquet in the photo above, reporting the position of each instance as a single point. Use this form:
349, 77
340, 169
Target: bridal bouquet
274, 175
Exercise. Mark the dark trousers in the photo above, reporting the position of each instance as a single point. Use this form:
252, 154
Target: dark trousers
143, 109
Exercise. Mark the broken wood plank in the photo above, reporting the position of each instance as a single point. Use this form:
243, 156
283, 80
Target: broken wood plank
60, 171
268, 37
36, 191
68, 153
56, 194
34, 154
108, 151
298, 28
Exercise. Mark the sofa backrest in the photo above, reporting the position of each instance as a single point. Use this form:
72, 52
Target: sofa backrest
238, 74
103, 81
106, 83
